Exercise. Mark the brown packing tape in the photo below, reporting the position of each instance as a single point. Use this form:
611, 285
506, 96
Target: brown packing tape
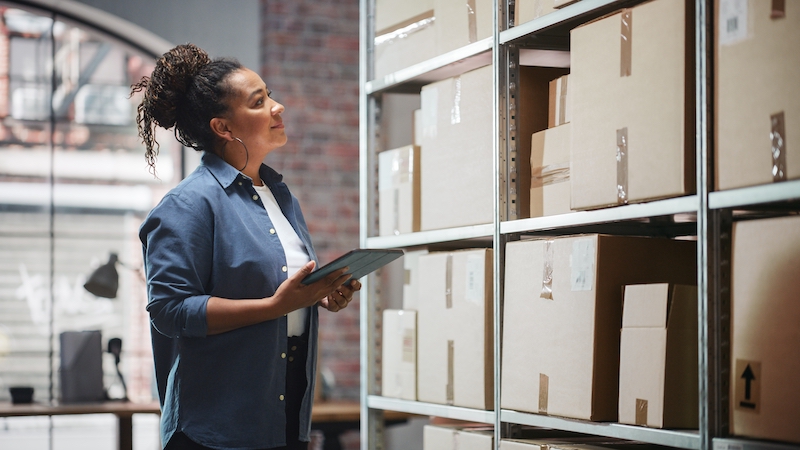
641, 412
778, 139
550, 174
625, 43
448, 293
473, 23
622, 166
544, 389
547, 276
562, 100
778, 9
450, 363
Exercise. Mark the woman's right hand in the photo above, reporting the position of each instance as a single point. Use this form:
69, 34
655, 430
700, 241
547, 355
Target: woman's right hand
293, 294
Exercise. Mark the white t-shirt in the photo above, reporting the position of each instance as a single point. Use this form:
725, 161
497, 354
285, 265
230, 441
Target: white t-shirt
296, 256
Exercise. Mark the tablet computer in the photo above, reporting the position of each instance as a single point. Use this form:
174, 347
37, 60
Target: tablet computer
360, 262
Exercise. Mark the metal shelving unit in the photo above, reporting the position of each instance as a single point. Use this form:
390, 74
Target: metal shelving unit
707, 215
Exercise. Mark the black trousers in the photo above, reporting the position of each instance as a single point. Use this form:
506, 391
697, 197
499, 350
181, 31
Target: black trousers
295, 389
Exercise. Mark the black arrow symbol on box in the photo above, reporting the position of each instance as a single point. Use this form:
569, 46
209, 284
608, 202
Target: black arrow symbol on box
749, 377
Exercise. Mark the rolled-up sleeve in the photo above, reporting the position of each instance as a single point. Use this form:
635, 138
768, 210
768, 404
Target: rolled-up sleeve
177, 244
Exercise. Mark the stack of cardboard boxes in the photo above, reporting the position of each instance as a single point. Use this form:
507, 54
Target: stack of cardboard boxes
605, 327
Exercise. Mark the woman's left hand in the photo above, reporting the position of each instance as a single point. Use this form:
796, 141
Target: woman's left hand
341, 297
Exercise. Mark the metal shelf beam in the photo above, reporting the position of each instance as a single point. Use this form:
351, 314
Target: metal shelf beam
755, 195
670, 438
431, 237
430, 409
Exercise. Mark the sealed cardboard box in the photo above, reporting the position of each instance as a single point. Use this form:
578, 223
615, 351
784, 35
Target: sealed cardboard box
560, 111
457, 178
398, 191
461, 22
457, 438
550, 193
411, 293
410, 44
396, 13
632, 93
757, 100
765, 350
527, 10
563, 313
658, 356
399, 359
454, 329
457, 146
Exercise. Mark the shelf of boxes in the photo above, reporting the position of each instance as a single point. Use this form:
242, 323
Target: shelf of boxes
682, 213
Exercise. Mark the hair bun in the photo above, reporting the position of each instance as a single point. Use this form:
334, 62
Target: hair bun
170, 81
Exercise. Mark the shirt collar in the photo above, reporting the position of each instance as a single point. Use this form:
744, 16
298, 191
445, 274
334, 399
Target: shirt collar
227, 174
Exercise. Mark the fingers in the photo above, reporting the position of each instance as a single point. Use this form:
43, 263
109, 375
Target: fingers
303, 272
341, 297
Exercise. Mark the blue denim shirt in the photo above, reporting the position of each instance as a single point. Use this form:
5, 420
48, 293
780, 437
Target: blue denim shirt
209, 236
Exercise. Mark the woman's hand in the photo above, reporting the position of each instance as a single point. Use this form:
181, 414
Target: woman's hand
338, 300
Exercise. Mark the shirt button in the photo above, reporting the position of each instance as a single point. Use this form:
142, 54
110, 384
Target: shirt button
291, 358
255, 197
272, 231
294, 347
283, 355
281, 397
284, 268
240, 183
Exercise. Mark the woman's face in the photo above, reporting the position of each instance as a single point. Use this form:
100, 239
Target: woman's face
254, 117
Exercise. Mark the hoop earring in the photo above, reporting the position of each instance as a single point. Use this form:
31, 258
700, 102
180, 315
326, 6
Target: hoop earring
246, 153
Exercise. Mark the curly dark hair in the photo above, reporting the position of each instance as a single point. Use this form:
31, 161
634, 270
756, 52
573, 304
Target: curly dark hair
186, 90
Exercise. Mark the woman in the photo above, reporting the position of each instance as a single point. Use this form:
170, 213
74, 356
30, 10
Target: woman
234, 330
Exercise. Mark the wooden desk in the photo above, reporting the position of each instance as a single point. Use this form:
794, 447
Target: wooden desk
123, 410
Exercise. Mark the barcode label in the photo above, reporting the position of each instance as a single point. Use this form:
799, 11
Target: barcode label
732, 21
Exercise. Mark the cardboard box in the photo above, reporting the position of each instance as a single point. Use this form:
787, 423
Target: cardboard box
527, 10
411, 293
398, 191
392, 14
457, 177
636, 99
765, 350
399, 360
658, 356
457, 146
563, 3
405, 46
454, 329
435, 437
550, 187
461, 22
560, 110
757, 68
561, 354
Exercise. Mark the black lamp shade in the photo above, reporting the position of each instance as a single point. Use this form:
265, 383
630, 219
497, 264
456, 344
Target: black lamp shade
105, 280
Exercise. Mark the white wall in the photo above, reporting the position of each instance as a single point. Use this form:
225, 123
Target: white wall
222, 28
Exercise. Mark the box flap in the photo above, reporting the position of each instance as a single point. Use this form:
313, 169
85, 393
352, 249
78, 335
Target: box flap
645, 305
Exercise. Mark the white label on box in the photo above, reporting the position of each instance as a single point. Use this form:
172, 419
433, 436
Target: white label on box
732, 21
582, 264
386, 161
429, 101
475, 273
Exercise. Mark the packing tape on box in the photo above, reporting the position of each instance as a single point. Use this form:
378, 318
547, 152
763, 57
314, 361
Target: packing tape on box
562, 99
777, 136
582, 263
448, 290
450, 364
733, 19
626, 49
473, 23
405, 29
544, 391
778, 9
641, 412
402, 172
409, 345
547, 276
455, 111
622, 166
549, 174
396, 211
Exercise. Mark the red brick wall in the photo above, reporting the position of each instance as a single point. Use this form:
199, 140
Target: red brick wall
309, 56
